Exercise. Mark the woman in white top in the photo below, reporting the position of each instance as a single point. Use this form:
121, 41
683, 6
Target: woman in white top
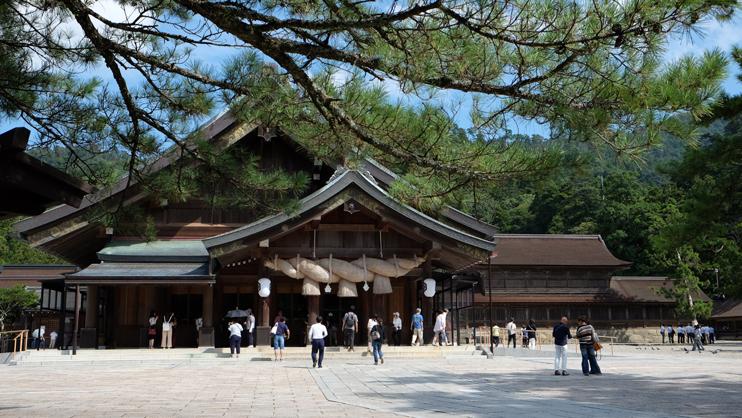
397, 324
167, 331
152, 329
235, 338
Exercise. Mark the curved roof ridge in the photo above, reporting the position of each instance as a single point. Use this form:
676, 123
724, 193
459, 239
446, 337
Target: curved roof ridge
343, 178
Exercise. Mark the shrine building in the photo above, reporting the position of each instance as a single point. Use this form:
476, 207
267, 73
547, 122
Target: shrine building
347, 245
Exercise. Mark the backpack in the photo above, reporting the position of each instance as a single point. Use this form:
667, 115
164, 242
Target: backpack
375, 334
350, 320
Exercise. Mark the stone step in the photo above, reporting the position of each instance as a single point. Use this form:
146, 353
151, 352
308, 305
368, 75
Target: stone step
138, 356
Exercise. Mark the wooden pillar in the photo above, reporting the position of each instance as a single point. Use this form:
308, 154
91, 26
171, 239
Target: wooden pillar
89, 334
77, 319
206, 333
428, 314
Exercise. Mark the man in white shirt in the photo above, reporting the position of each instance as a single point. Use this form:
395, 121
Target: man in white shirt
250, 328
512, 331
317, 334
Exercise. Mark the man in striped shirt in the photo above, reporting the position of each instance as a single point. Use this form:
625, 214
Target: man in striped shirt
587, 336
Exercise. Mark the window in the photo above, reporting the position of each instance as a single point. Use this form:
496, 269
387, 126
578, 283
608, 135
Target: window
558, 312
618, 313
653, 312
599, 313
538, 313
636, 312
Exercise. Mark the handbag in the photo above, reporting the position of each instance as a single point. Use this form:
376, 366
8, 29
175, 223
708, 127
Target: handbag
597, 346
151, 332
274, 329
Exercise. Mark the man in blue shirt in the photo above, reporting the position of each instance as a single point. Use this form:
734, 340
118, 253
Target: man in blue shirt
416, 325
662, 332
670, 334
681, 334
280, 337
561, 336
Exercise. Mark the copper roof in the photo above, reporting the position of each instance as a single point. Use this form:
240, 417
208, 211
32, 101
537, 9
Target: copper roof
554, 250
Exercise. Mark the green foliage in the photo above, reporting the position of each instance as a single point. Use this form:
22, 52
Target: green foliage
15, 251
13, 300
687, 285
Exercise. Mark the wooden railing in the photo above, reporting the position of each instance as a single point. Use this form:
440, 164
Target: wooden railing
14, 341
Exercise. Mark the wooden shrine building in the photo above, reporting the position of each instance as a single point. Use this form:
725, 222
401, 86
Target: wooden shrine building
349, 244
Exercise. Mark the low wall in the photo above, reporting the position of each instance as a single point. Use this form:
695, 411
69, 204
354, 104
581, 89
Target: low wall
629, 334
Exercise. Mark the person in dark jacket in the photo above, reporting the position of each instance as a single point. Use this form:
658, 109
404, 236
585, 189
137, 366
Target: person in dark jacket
587, 336
561, 336
377, 337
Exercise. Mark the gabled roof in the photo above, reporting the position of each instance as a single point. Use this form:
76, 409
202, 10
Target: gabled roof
554, 250
209, 130
330, 196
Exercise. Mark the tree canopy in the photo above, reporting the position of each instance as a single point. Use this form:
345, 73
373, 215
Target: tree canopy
592, 71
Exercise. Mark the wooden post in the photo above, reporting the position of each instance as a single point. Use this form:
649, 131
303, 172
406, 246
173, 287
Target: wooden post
77, 319
312, 313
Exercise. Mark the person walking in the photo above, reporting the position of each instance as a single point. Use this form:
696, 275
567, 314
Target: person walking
587, 336
662, 332
370, 324
317, 334
397, 325
561, 336
152, 329
681, 334
250, 328
706, 335
350, 328
377, 338
512, 332
167, 332
697, 339
439, 328
670, 334
416, 325
235, 338
279, 340
531, 329
496, 335
712, 335
689, 334
53, 339
523, 336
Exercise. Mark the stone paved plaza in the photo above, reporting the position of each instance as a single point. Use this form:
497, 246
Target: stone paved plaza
637, 383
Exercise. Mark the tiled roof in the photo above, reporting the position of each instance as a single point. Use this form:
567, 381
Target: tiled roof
730, 308
646, 289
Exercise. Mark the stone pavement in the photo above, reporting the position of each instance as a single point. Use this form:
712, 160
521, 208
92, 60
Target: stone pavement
634, 385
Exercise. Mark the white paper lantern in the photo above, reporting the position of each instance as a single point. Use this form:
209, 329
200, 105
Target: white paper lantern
429, 287
264, 287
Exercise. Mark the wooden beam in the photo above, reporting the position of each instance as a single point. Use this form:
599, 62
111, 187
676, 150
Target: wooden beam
342, 227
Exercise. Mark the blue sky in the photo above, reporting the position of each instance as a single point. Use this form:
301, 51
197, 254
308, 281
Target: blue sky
713, 34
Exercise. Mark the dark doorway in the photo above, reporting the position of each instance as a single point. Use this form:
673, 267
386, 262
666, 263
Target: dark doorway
294, 309
186, 308
332, 309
